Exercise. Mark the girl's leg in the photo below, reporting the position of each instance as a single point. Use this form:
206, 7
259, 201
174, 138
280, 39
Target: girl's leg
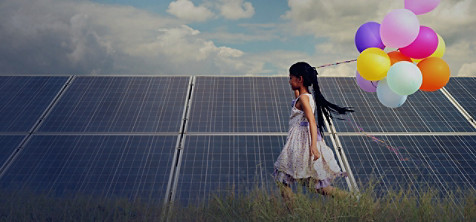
333, 191
288, 195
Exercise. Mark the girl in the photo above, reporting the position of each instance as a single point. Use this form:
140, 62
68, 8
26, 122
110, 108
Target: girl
305, 157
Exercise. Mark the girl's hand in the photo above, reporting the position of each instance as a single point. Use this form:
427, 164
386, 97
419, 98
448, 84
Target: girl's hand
314, 152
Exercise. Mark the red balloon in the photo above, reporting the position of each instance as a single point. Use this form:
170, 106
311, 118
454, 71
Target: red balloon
397, 56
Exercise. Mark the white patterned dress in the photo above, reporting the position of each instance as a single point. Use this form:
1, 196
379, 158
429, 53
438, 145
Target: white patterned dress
295, 163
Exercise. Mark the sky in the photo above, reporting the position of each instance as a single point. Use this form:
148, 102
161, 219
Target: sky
207, 37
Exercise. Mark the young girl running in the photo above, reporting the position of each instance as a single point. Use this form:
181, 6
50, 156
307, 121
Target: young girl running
305, 157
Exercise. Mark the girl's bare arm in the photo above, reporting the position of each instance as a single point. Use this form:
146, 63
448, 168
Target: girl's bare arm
306, 107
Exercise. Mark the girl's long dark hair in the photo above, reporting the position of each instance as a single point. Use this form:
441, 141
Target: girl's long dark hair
323, 106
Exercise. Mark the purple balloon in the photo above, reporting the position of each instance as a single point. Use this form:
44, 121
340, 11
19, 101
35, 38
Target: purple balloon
368, 36
366, 85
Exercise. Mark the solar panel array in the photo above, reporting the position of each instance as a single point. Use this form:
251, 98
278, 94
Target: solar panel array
159, 139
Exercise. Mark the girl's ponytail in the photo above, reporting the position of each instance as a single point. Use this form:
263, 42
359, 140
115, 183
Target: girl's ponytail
323, 106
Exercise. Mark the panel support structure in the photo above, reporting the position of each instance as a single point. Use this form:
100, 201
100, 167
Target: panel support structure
177, 158
459, 107
342, 157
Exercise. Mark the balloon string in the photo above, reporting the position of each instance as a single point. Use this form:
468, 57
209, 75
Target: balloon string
337, 63
395, 150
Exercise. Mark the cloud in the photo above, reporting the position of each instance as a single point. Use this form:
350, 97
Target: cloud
335, 23
79, 37
236, 9
185, 9
467, 69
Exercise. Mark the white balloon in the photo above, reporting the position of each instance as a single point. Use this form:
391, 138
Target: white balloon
388, 97
404, 78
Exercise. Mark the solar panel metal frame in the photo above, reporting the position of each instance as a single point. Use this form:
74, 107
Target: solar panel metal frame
53, 98
384, 120
44, 164
48, 119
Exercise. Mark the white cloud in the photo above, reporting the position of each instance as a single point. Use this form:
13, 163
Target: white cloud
185, 9
467, 69
340, 70
236, 9
78, 37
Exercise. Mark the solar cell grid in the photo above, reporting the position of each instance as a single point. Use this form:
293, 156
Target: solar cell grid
240, 104
7, 145
443, 162
24, 98
120, 104
422, 112
135, 167
221, 163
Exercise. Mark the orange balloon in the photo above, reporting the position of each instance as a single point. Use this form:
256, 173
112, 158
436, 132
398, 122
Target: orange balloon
435, 72
397, 56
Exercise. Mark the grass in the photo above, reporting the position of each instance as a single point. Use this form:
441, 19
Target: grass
255, 205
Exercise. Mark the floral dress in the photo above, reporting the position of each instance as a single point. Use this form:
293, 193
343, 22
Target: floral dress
295, 163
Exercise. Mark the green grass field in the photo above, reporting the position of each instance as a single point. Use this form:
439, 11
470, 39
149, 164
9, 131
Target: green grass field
255, 205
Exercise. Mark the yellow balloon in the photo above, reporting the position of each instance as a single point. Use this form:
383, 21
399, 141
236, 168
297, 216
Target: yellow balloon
440, 49
373, 64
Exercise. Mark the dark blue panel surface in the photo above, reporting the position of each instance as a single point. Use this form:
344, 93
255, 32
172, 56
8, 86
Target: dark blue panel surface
443, 162
215, 164
422, 111
7, 145
463, 89
120, 104
135, 167
24, 98
240, 104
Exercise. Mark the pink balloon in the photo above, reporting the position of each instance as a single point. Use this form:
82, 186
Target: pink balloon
421, 6
366, 85
399, 28
423, 46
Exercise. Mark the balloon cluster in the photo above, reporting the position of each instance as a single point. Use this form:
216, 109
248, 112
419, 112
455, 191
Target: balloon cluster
416, 63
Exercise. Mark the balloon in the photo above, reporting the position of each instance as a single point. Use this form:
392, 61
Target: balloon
368, 36
440, 50
399, 28
435, 72
373, 64
367, 86
421, 6
397, 56
388, 97
423, 46
404, 78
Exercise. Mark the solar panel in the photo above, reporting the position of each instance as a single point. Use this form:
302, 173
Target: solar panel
443, 162
463, 90
120, 104
214, 164
135, 167
240, 104
7, 145
236, 130
422, 112
24, 98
